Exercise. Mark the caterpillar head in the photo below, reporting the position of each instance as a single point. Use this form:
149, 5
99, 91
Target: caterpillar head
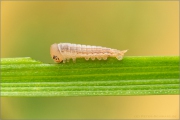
55, 53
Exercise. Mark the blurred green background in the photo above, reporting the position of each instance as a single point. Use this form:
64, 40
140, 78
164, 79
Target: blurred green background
146, 28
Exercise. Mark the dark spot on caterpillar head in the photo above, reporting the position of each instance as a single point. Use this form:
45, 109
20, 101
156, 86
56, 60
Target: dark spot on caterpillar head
54, 56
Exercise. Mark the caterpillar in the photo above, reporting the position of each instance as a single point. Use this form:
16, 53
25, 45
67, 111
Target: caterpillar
66, 51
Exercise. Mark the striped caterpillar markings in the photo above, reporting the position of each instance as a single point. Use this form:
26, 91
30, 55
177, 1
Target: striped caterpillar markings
66, 51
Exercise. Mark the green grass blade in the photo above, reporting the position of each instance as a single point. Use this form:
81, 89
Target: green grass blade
131, 76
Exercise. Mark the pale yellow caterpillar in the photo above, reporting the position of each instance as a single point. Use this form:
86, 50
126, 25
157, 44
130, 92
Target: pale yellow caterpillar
66, 51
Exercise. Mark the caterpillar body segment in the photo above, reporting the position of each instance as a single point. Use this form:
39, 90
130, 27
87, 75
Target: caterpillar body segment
66, 51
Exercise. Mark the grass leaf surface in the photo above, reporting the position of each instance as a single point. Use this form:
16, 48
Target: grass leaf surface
155, 75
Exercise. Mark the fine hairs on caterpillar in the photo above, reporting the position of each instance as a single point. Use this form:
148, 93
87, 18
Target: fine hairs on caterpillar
66, 51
